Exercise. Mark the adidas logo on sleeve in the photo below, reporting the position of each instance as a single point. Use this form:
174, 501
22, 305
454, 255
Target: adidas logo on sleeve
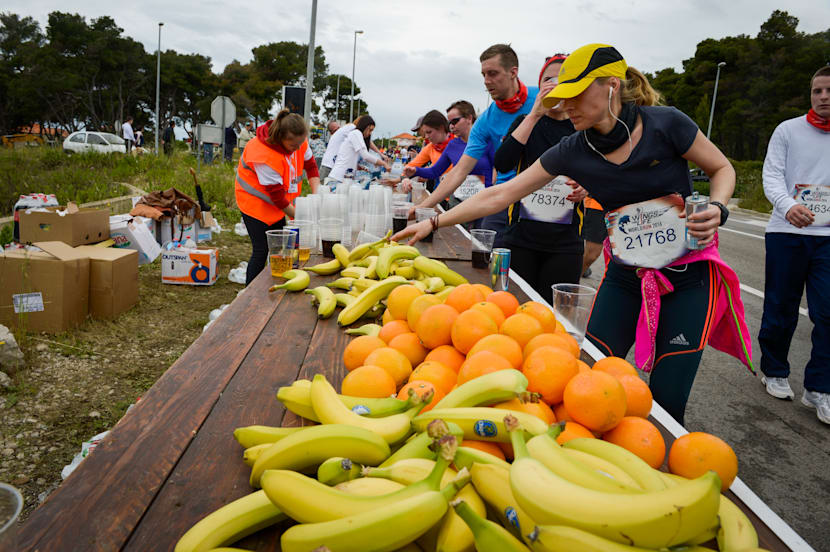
679, 339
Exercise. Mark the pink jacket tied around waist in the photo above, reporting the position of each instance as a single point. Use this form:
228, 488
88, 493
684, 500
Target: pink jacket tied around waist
728, 331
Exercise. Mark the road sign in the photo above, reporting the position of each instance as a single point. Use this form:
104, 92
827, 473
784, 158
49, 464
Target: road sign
209, 133
222, 111
293, 97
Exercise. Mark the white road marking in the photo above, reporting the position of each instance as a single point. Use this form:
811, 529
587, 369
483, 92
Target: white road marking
757, 293
751, 222
741, 233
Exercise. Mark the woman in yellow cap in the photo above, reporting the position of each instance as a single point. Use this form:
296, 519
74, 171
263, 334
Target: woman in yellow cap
632, 156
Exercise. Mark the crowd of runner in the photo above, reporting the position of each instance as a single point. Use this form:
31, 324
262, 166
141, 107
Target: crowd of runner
588, 161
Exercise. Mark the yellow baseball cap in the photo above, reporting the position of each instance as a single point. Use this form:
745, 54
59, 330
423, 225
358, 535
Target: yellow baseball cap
581, 68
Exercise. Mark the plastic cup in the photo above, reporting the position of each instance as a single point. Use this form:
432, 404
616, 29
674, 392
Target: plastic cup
422, 214
481, 244
11, 504
280, 250
308, 241
366, 237
573, 302
331, 232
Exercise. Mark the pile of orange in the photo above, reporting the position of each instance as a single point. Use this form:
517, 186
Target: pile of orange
430, 346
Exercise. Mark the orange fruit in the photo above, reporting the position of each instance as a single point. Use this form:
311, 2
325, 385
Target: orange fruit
507, 449
505, 300
641, 437
583, 366
484, 446
393, 361
561, 413
358, 349
447, 355
417, 307
540, 312
434, 327
463, 297
392, 329
421, 388
548, 371
485, 290
502, 345
400, 298
490, 309
574, 430
595, 400
436, 373
409, 344
558, 340
615, 366
387, 317
521, 327
481, 363
538, 409
695, 453
368, 381
469, 327
638, 398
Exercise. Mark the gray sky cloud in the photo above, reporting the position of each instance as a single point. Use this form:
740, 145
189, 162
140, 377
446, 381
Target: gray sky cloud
414, 57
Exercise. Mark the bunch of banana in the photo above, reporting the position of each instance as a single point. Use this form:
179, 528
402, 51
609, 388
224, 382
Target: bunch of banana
297, 399
370, 297
431, 267
337, 470
481, 423
492, 483
420, 445
492, 388
489, 536
389, 255
654, 519
298, 280
325, 269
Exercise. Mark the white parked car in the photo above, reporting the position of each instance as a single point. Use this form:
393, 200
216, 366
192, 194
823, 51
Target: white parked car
102, 142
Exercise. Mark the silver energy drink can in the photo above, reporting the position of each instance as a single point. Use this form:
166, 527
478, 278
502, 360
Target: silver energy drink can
499, 269
296, 255
695, 203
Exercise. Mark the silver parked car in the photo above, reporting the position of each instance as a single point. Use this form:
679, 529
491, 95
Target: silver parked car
102, 142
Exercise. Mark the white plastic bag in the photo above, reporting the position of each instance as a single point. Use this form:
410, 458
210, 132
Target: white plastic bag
86, 449
239, 229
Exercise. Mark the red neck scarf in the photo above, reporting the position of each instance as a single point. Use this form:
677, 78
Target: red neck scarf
440, 147
818, 121
513, 104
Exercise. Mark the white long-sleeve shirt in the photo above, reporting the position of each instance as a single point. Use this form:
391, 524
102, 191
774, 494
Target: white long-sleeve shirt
127, 131
352, 148
334, 144
798, 153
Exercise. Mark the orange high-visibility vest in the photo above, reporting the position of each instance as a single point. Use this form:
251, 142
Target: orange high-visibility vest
591, 203
252, 197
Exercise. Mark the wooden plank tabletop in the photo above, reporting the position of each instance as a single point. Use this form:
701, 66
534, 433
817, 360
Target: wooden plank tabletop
173, 459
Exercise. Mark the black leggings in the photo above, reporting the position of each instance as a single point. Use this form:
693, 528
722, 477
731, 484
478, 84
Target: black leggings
541, 269
682, 332
259, 254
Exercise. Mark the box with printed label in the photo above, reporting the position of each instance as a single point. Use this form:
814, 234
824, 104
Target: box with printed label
44, 291
113, 280
76, 226
195, 267
169, 229
133, 233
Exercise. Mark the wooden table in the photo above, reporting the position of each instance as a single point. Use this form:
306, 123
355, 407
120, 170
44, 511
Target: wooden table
173, 459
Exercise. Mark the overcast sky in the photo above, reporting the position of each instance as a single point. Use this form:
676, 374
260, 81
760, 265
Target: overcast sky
417, 56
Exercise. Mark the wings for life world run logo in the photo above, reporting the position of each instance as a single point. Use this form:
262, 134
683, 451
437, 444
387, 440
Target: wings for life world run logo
812, 194
639, 221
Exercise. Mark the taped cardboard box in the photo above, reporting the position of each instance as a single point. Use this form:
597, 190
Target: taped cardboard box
77, 226
44, 291
113, 280
195, 267
133, 233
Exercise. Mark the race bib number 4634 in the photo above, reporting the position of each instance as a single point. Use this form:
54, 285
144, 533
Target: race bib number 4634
549, 203
815, 197
648, 234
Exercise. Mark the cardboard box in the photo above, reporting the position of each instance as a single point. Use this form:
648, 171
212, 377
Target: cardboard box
113, 280
133, 233
44, 291
78, 226
195, 267
169, 229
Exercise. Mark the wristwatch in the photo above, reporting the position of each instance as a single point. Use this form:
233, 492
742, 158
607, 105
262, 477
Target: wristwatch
724, 212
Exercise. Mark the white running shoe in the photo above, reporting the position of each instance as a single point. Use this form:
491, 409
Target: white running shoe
778, 388
819, 401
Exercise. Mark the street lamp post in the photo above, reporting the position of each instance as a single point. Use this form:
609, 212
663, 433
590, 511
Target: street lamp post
714, 97
309, 72
354, 55
158, 84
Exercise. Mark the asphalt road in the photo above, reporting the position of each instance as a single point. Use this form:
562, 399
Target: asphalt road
783, 449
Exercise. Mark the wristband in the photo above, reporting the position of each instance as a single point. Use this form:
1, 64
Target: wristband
434, 222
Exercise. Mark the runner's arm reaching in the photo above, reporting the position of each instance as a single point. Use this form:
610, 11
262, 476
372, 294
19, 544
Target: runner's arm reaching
721, 175
451, 181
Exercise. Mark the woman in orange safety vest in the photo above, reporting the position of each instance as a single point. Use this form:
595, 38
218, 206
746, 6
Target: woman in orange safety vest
269, 177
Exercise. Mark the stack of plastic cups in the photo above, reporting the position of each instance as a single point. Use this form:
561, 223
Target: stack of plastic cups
305, 208
375, 221
419, 192
356, 211
387, 195
343, 201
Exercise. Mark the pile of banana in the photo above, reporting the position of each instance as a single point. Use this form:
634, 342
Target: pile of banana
368, 273
376, 475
